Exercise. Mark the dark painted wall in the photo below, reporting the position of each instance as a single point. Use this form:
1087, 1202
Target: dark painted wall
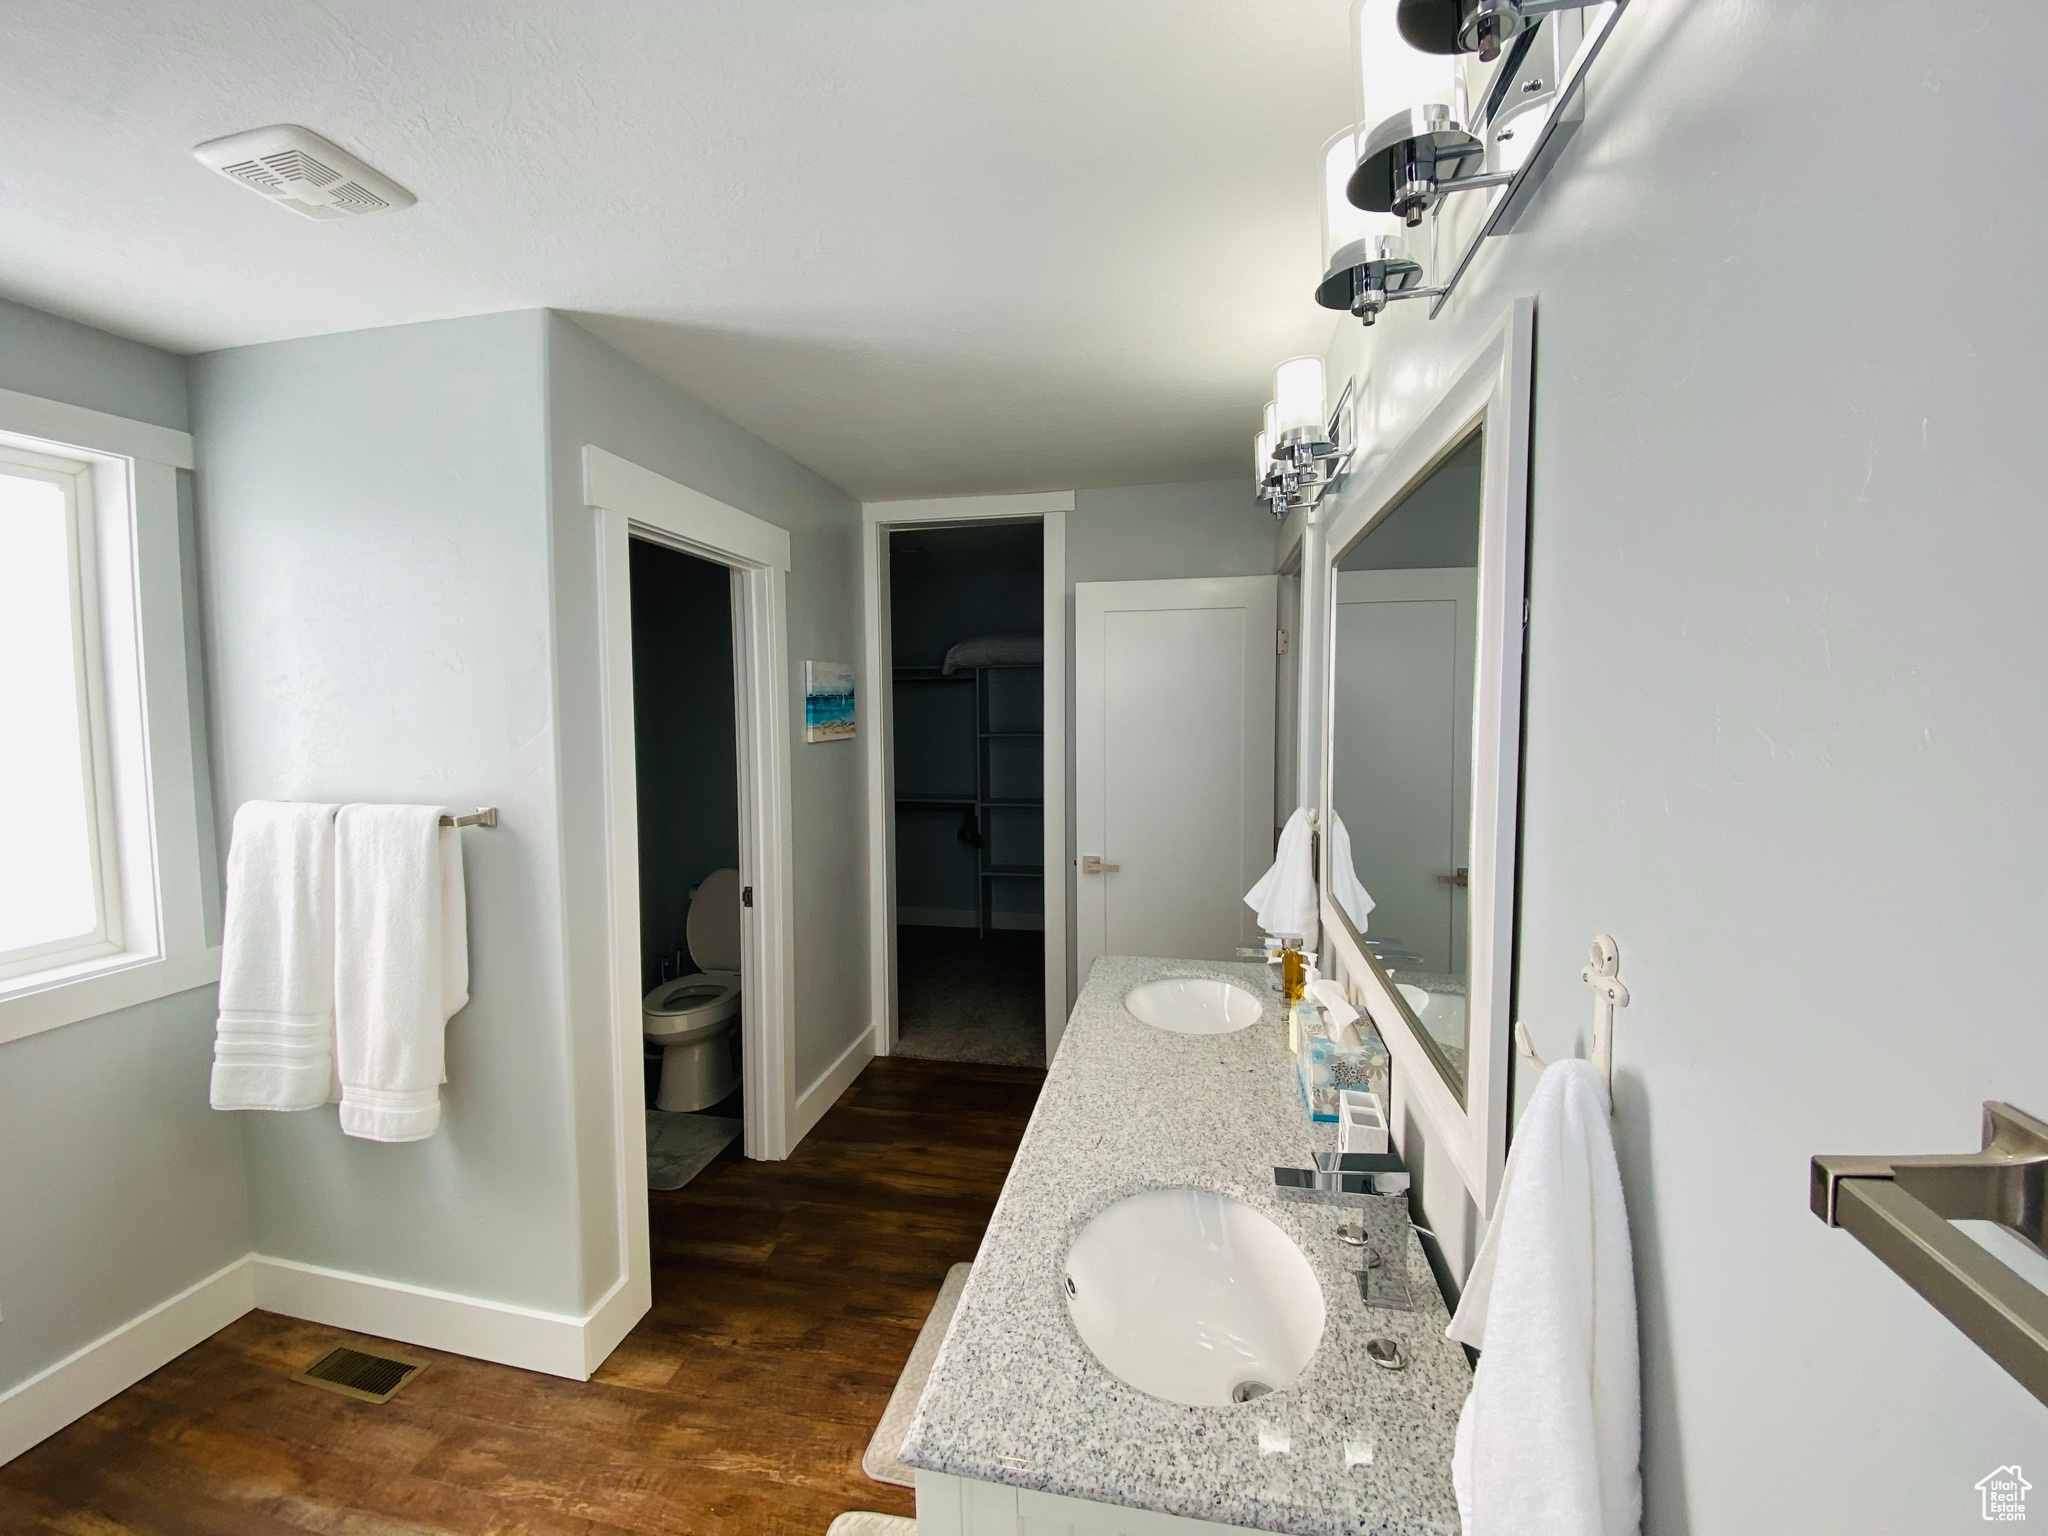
684, 740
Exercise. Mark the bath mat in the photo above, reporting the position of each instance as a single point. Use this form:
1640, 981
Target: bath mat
860, 1523
679, 1147
880, 1461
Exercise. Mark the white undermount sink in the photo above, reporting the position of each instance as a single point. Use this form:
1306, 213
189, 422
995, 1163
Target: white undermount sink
1194, 1297
1193, 1005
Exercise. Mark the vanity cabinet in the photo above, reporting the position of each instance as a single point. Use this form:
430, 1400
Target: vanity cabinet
966, 1506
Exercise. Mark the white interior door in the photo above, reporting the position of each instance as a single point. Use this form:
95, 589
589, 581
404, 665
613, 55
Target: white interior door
1173, 758
1402, 754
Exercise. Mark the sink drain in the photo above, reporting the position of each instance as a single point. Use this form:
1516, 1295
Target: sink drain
1248, 1391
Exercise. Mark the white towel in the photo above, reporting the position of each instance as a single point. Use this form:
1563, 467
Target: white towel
1550, 1439
274, 1043
1285, 897
1351, 896
401, 965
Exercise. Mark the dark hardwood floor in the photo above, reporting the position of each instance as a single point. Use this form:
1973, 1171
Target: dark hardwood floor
786, 1299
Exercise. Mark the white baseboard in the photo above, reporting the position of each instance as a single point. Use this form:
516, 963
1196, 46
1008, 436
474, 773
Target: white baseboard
37, 1408
552, 1342
613, 1318
557, 1343
812, 1103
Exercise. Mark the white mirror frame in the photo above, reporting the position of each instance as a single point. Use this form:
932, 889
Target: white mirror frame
1492, 391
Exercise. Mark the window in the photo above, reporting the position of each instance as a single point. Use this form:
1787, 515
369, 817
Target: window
59, 901
105, 847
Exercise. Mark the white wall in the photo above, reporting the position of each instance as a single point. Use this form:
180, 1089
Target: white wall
375, 523
1785, 734
118, 1186
596, 396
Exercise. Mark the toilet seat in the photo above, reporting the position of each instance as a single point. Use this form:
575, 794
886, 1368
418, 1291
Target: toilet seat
692, 1007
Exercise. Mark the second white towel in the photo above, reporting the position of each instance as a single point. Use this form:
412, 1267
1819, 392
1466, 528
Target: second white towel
401, 965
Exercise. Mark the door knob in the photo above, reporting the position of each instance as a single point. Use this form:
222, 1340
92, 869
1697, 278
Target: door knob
1092, 865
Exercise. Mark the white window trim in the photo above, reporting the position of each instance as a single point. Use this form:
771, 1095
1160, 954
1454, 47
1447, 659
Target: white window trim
133, 525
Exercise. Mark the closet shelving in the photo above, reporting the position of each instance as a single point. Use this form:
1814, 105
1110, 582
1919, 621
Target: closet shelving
984, 806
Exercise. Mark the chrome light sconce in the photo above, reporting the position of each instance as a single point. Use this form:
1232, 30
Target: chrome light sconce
1365, 261
1302, 449
1405, 160
1429, 141
1414, 159
1474, 26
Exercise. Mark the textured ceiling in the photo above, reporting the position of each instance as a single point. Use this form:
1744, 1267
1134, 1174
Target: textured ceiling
924, 246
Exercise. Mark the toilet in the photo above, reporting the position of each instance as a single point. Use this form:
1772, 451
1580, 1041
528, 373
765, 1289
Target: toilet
695, 1019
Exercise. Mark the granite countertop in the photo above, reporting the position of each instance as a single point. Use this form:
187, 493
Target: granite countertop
1015, 1397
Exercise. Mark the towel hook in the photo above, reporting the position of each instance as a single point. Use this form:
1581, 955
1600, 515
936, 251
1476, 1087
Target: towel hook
1601, 972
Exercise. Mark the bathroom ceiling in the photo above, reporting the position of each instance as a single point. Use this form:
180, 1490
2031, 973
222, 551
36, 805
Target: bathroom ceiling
923, 246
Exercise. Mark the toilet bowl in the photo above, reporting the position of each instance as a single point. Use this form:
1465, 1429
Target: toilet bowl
695, 1019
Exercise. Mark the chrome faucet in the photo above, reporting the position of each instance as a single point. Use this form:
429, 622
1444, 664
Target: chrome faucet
1335, 1174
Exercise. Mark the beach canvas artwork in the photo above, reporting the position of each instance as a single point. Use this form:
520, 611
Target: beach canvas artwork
828, 701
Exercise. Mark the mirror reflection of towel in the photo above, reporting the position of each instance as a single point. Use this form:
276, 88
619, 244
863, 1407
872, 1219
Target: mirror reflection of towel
1350, 895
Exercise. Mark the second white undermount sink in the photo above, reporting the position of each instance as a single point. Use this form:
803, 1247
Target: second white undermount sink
1193, 1005
1194, 1297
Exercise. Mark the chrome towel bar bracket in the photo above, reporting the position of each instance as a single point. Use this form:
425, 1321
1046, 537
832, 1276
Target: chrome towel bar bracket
1901, 1209
482, 816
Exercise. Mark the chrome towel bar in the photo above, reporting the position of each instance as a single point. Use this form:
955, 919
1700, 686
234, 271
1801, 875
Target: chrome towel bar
1900, 1208
482, 816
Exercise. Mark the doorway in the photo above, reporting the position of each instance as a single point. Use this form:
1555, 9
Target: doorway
985, 907
686, 764
967, 696
631, 506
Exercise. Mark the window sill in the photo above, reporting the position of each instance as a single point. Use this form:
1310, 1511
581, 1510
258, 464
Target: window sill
86, 990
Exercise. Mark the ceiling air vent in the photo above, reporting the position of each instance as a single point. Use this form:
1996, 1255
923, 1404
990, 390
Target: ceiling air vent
297, 169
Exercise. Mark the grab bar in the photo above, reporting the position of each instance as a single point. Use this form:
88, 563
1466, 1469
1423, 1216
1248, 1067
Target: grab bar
1900, 1209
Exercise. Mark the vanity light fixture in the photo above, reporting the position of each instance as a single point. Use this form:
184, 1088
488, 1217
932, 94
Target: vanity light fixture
1301, 451
1474, 26
1365, 260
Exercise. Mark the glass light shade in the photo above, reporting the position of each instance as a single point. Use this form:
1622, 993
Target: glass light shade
1299, 400
1272, 425
1345, 226
1393, 75
1262, 458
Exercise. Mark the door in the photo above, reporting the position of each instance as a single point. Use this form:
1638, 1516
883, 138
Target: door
1403, 639
1173, 753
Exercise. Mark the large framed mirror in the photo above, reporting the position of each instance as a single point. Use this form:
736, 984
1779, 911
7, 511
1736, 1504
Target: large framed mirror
1424, 569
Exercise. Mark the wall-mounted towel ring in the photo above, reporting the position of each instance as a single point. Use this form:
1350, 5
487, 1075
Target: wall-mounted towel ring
1602, 972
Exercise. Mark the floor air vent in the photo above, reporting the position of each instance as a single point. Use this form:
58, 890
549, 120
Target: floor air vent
354, 1373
